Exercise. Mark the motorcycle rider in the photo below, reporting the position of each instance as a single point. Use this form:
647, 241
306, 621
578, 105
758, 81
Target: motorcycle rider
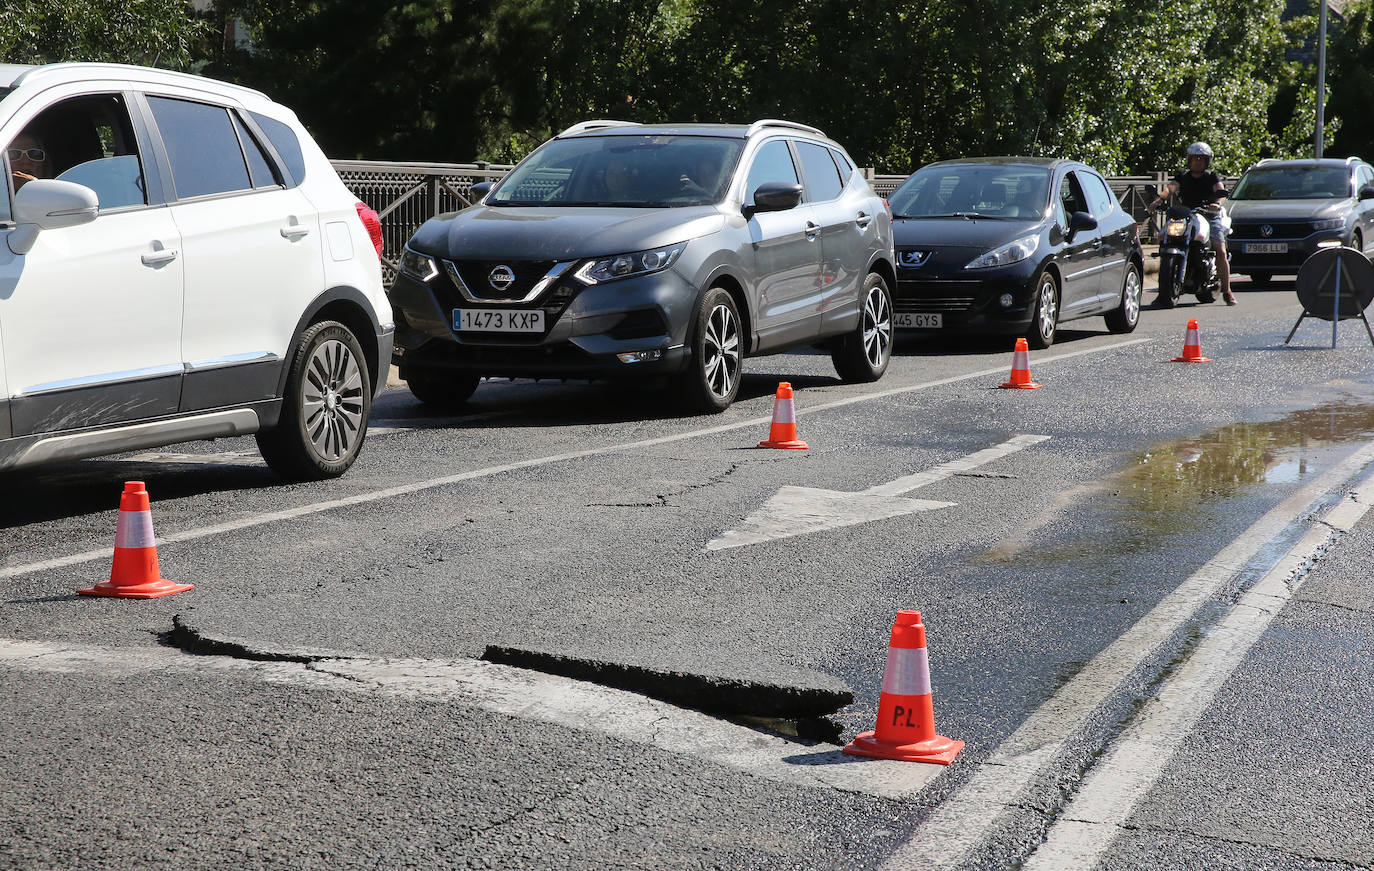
1200, 187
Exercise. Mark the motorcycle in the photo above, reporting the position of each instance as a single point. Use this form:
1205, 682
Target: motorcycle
1187, 263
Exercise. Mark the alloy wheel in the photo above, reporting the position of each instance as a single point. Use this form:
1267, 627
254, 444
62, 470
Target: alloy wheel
332, 400
877, 327
720, 352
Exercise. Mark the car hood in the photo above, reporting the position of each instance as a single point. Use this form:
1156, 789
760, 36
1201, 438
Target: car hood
1278, 210
982, 234
570, 233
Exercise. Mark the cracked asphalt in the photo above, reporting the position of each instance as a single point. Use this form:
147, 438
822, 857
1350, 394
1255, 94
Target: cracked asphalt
569, 521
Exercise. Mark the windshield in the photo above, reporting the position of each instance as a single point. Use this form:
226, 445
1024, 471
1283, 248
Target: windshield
1294, 183
630, 171
974, 191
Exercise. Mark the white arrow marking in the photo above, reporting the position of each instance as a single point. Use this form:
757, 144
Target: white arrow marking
804, 510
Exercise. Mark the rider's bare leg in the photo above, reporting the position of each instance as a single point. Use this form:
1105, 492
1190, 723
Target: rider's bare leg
1223, 271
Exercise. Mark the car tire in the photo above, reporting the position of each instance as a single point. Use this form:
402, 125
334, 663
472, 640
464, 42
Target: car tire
710, 382
1045, 312
863, 355
1126, 315
1357, 242
324, 409
445, 391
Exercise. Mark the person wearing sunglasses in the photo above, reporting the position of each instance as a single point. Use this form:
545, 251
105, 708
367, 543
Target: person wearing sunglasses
28, 159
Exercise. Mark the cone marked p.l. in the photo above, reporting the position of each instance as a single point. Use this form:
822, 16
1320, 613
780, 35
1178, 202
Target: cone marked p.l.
1020, 368
135, 573
1192, 345
906, 717
783, 432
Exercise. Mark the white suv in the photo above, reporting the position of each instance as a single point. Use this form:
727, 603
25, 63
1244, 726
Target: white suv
179, 261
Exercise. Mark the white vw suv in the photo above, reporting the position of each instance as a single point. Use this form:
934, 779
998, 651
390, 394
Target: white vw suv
179, 261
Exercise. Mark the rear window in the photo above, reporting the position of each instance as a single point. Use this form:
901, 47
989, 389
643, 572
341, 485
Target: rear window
283, 138
202, 147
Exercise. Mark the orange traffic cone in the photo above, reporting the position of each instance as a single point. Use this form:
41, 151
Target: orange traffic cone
906, 718
783, 432
1020, 368
135, 574
1192, 346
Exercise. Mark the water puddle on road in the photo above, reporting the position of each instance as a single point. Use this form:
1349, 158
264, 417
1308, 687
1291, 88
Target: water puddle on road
1170, 486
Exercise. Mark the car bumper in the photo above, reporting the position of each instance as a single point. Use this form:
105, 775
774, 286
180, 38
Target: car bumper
1280, 263
968, 304
625, 328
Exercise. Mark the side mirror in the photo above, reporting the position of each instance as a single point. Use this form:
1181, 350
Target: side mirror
1367, 192
481, 189
1080, 221
774, 196
47, 204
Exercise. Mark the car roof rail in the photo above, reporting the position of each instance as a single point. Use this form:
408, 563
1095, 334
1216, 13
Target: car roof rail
584, 126
774, 122
131, 72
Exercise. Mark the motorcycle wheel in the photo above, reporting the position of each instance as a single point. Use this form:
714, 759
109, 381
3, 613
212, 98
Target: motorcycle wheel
1206, 296
1168, 284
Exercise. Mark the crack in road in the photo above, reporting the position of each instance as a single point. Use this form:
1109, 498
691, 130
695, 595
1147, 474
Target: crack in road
664, 497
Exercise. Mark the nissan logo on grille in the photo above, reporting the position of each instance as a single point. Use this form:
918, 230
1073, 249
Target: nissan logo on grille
501, 277
1266, 230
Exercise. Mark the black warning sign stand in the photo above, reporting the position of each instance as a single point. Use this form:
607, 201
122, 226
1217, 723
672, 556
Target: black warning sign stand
1335, 284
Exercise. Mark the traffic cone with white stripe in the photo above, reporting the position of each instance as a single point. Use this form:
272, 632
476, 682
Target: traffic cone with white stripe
783, 432
906, 717
1192, 345
1020, 368
135, 574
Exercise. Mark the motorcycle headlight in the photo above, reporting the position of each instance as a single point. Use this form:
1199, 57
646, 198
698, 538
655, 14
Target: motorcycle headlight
627, 265
1175, 227
418, 265
1329, 224
1012, 252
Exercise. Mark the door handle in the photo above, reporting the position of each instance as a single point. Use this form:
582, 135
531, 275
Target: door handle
812, 230
294, 231
863, 220
157, 258
1097, 243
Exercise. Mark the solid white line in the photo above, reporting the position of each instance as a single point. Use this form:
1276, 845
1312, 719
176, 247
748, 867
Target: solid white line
1117, 785
420, 486
528, 695
966, 819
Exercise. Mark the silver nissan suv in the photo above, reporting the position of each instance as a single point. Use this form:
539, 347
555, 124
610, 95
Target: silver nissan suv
620, 250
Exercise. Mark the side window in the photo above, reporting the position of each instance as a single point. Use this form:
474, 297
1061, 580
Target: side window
283, 138
202, 147
259, 168
1099, 197
1363, 176
1071, 199
87, 140
843, 163
822, 178
772, 162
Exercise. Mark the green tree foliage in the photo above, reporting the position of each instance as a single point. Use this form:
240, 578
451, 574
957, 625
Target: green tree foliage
148, 32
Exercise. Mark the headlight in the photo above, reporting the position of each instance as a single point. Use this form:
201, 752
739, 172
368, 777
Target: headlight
418, 265
1329, 224
627, 265
1012, 252
1175, 227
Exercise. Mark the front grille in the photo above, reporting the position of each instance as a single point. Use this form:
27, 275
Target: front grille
476, 274
935, 304
936, 296
1292, 230
554, 300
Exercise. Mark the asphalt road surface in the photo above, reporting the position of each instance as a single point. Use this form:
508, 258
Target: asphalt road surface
573, 629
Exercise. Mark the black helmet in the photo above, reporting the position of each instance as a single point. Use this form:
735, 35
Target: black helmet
1201, 149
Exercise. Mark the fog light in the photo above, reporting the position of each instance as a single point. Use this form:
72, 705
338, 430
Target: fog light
1005, 300
640, 356
1329, 243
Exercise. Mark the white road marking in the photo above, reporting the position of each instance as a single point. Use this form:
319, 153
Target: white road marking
527, 695
996, 790
446, 480
803, 510
1115, 786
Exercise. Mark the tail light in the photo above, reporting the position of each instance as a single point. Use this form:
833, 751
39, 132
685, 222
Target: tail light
887, 205
372, 223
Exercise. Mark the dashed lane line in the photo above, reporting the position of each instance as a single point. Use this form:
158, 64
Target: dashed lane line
446, 480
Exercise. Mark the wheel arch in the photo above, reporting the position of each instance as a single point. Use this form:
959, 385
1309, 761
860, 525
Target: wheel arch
725, 279
350, 307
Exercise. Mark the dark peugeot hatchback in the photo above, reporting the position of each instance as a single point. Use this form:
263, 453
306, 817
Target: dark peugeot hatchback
1013, 245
